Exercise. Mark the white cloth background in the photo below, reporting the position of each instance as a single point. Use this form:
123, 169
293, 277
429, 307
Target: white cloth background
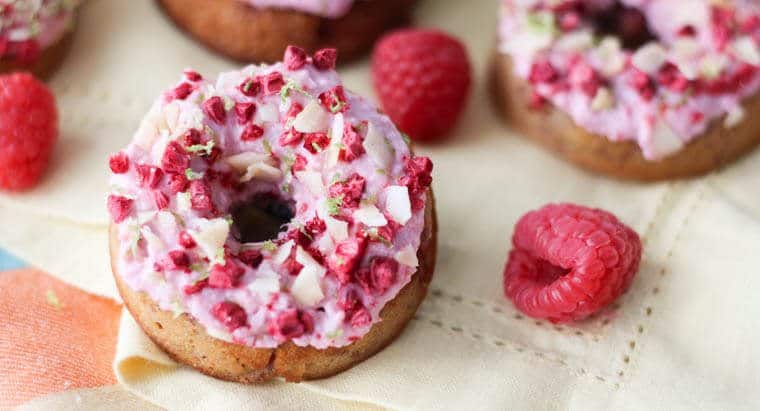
683, 337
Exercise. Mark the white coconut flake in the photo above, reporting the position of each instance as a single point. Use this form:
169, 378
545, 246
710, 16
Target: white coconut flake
312, 180
336, 138
407, 256
377, 147
649, 57
306, 289
211, 235
397, 204
283, 252
312, 119
603, 100
664, 141
746, 50
734, 117
370, 216
337, 229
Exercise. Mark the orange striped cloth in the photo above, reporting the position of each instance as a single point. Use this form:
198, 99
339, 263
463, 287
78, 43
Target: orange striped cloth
53, 337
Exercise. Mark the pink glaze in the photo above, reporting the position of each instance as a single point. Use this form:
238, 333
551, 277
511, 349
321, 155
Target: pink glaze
257, 304
663, 95
325, 8
29, 26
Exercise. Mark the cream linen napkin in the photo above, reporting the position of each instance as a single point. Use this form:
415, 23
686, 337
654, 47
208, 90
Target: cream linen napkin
681, 338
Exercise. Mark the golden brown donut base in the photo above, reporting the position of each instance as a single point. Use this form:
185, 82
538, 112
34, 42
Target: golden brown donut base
243, 33
555, 130
187, 342
48, 62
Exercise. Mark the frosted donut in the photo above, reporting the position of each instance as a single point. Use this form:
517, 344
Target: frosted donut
270, 223
34, 34
259, 30
640, 89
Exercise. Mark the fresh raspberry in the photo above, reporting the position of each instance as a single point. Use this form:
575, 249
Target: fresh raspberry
569, 262
422, 78
230, 314
28, 130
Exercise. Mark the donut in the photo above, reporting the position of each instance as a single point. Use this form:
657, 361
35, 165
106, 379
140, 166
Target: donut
35, 34
635, 89
260, 30
269, 223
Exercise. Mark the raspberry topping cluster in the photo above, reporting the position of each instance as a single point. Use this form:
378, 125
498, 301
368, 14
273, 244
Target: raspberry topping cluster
569, 261
291, 139
27, 27
656, 72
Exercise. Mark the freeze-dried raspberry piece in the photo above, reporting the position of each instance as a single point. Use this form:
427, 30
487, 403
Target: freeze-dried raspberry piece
325, 59
230, 314
119, 207
569, 261
291, 324
225, 276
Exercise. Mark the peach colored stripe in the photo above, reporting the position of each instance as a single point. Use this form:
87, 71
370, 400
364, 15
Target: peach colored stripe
53, 337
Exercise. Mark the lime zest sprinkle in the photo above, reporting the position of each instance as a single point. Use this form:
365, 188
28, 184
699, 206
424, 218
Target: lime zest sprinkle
202, 149
269, 245
52, 299
192, 175
334, 204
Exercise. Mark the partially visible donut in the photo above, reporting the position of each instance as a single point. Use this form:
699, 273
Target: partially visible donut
260, 30
35, 35
211, 162
645, 90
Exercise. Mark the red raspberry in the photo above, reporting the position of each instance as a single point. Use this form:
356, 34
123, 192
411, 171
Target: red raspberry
422, 78
291, 324
225, 276
272, 83
149, 176
299, 164
119, 163
295, 58
251, 257
244, 112
179, 260
195, 288
361, 318
28, 130
214, 109
334, 100
200, 196
569, 262
252, 132
325, 59
353, 145
346, 257
186, 240
160, 199
315, 143
175, 158
119, 207
351, 189
230, 314
383, 273
182, 91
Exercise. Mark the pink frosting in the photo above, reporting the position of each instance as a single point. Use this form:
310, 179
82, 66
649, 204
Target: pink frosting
703, 63
301, 289
325, 8
30, 26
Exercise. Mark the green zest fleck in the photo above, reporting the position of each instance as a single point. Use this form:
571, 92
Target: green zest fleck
219, 256
269, 245
371, 200
228, 103
335, 178
177, 308
267, 147
337, 106
202, 149
406, 138
335, 334
542, 22
375, 236
248, 85
316, 147
228, 219
192, 175
334, 205
381, 171
291, 86
53, 300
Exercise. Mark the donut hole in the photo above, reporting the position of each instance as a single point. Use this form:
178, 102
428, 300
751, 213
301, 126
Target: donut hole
261, 218
549, 273
626, 23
